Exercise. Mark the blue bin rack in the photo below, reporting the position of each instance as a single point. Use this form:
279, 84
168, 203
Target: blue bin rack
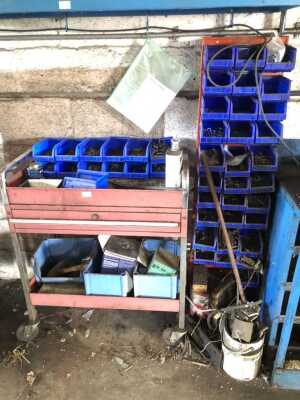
244, 169
241, 132
242, 55
215, 108
221, 246
142, 146
115, 169
89, 169
204, 257
86, 145
137, 170
262, 182
243, 108
214, 132
207, 217
273, 110
258, 203
269, 153
234, 202
205, 239
264, 135
224, 61
282, 290
256, 221
223, 81
114, 149
286, 65
236, 185
158, 170
275, 88
246, 84
203, 184
165, 144
65, 168
46, 145
205, 200
63, 147
251, 243
213, 153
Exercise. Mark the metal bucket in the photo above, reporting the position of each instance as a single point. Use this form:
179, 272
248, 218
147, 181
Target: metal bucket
241, 360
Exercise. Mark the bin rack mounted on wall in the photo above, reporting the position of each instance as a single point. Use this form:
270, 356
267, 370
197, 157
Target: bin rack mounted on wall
59, 211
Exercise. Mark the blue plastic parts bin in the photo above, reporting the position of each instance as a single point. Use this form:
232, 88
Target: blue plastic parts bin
137, 150
63, 147
264, 135
244, 168
137, 170
224, 60
158, 170
233, 219
215, 107
214, 131
204, 257
275, 88
48, 170
162, 286
243, 108
221, 78
231, 183
243, 54
199, 239
89, 168
259, 186
205, 200
115, 169
207, 217
203, 184
52, 251
66, 168
269, 153
211, 153
241, 132
114, 149
273, 110
258, 203
86, 145
286, 65
246, 85
256, 241
46, 145
166, 141
256, 221
231, 202
81, 183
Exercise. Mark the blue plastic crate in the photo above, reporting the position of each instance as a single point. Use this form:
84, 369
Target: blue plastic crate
67, 150
233, 202
205, 239
114, 149
286, 65
115, 169
251, 243
215, 107
203, 184
150, 285
258, 203
137, 150
205, 200
221, 78
207, 217
203, 257
158, 170
243, 108
262, 182
256, 221
158, 149
81, 183
52, 251
66, 168
236, 185
244, 168
44, 146
233, 219
275, 88
243, 54
88, 146
264, 135
48, 170
171, 246
88, 169
234, 236
215, 157
224, 60
137, 170
241, 132
273, 110
214, 132
246, 84
270, 156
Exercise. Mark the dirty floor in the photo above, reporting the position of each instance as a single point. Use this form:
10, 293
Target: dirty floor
111, 355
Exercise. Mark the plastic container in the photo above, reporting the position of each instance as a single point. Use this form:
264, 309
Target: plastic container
203, 184
137, 170
137, 150
244, 168
203, 257
214, 132
67, 150
286, 65
52, 251
48, 170
234, 239
256, 221
233, 202
66, 168
162, 286
90, 169
205, 200
80, 183
90, 149
158, 149
114, 149
215, 158
205, 239
241, 132
233, 219
236, 185
158, 170
243, 54
273, 110
243, 108
171, 246
43, 151
115, 169
215, 107
275, 88
221, 78
207, 217
262, 182
223, 61
264, 134
250, 243
258, 203
246, 85
264, 159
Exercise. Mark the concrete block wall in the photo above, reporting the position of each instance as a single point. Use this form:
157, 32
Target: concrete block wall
60, 87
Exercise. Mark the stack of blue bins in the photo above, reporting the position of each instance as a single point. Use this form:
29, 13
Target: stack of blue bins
232, 123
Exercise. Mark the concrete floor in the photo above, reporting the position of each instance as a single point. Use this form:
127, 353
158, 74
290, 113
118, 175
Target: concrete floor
75, 359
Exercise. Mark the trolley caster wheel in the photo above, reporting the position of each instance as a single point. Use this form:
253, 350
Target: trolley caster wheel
27, 332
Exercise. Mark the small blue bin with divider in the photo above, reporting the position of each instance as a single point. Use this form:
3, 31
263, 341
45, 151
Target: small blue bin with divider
286, 65
90, 149
43, 151
250, 243
214, 131
243, 108
233, 219
258, 203
115, 169
234, 239
158, 149
89, 169
264, 159
266, 135
243, 59
241, 132
262, 182
256, 221
241, 169
215, 157
137, 170
205, 200
233, 202
203, 184
204, 257
114, 149
215, 108
65, 168
273, 111
219, 57
246, 84
236, 185
67, 150
158, 170
275, 88
221, 83
137, 150
205, 239
207, 217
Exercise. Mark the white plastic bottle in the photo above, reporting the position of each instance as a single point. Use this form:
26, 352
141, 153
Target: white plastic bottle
173, 165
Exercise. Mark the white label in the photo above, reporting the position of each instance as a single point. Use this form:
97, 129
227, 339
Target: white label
64, 4
86, 194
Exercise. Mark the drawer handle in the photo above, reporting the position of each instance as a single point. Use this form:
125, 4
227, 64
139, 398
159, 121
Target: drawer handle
95, 217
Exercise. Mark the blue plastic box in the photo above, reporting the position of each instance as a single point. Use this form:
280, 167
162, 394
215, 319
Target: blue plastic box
52, 251
258, 203
114, 149
115, 169
223, 61
140, 146
273, 110
215, 108
86, 145
137, 170
205, 200
203, 184
49, 171
262, 182
221, 246
162, 286
255, 237
243, 108
233, 219
207, 217
243, 54
231, 202
264, 135
210, 245
172, 246
214, 132
65, 146
275, 88
91, 169
158, 170
204, 257
244, 169
230, 185
241, 132
163, 142
81, 183
270, 153
66, 168
211, 152
46, 145
222, 78
286, 65
246, 84
256, 221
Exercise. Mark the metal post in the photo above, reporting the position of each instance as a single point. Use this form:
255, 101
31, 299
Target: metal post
183, 271
282, 22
